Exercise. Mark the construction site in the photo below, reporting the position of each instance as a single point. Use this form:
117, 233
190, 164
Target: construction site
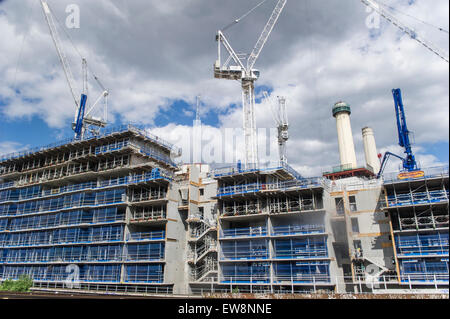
112, 210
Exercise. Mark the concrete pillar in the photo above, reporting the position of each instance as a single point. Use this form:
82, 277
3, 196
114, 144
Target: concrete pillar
341, 111
370, 149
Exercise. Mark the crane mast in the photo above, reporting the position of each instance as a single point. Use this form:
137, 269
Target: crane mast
386, 15
279, 111
233, 68
82, 119
283, 129
409, 163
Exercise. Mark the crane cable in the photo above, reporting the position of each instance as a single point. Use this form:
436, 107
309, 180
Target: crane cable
76, 49
244, 16
408, 31
21, 49
415, 18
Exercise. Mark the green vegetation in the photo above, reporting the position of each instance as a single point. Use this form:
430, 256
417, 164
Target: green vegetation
23, 284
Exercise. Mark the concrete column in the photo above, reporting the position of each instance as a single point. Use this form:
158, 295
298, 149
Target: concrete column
341, 111
370, 149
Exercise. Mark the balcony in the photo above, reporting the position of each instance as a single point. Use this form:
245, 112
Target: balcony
298, 230
146, 236
409, 199
259, 231
263, 187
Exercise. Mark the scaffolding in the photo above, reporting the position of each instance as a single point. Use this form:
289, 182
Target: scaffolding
252, 272
147, 252
301, 248
430, 173
66, 202
304, 202
275, 205
429, 270
60, 211
66, 254
253, 168
244, 249
153, 273
147, 194
105, 132
298, 230
70, 218
148, 213
85, 254
261, 187
36, 192
302, 272
145, 236
62, 236
417, 198
420, 218
56, 273
257, 231
422, 244
63, 165
247, 207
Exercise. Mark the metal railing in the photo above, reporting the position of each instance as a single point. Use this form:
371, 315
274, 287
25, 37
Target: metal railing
142, 236
103, 133
298, 229
244, 232
431, 172
110, 289
417, 198
236, 169
259, 187
120, 181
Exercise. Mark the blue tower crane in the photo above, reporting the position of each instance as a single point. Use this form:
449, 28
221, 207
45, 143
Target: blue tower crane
409, 162
83, 119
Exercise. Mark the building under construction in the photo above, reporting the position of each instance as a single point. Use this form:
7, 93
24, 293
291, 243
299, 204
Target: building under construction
102, 203
117, 207
111, 210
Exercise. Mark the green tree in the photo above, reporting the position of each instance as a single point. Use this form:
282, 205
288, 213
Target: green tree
23, 284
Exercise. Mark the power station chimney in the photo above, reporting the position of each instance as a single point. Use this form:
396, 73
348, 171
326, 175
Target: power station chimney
370, 149
342, 111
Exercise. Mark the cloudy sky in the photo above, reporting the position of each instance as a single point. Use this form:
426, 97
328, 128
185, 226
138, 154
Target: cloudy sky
156, 56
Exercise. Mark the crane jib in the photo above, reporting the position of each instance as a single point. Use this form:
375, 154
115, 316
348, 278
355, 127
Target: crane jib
410, 167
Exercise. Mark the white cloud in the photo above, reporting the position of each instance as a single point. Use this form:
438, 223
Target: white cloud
9, 147
150, 53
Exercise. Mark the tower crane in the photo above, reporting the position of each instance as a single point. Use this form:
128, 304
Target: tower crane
83, 120
281, 118
389, 17
236, 68
410, 166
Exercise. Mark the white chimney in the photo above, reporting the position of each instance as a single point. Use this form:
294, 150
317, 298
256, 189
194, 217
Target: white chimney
342, 111
370, 149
